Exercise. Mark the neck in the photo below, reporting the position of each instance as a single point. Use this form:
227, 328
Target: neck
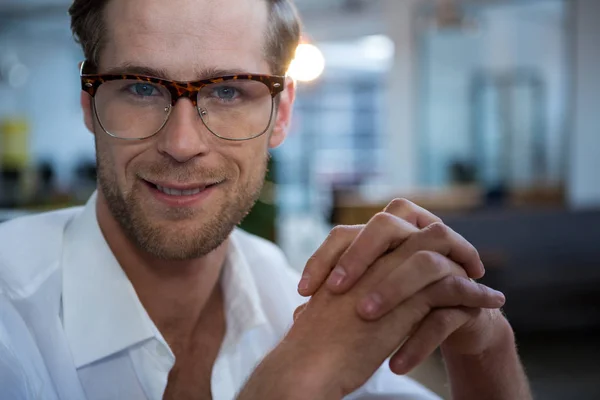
174, 293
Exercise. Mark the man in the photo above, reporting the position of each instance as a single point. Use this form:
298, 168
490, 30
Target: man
149, 292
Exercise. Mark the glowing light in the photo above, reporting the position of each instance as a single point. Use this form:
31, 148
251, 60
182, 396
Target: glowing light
377, 47
308, 64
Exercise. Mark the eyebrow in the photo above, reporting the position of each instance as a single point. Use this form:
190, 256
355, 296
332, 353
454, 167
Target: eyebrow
201, 74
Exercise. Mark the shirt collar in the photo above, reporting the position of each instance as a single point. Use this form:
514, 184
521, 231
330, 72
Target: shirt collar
243, 307
102, 314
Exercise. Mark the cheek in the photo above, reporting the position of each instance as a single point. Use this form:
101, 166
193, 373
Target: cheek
117, 160
251, 161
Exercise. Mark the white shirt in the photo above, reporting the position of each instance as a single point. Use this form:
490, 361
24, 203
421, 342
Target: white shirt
73, 328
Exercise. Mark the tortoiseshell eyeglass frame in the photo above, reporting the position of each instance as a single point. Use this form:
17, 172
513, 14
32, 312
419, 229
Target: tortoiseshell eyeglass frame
90, 83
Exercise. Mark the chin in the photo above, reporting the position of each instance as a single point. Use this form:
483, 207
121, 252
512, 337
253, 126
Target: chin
181, 240
178, 233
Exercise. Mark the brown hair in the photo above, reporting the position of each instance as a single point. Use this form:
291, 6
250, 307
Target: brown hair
283, 32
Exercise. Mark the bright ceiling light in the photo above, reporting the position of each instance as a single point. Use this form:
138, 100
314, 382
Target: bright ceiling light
377, 47
308, 64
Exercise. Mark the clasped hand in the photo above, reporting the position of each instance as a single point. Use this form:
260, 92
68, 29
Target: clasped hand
399, 286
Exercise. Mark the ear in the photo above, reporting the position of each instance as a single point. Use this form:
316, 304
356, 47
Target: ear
86, 107
88, 113
284, 113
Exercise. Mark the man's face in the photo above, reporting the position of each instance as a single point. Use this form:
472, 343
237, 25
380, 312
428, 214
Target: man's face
184, 38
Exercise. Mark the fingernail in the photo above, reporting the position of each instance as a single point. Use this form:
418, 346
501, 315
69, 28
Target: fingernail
370, 304
399, 364
304, 283
338, 275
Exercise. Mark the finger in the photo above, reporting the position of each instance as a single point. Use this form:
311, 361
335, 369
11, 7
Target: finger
436, 238
394, 231
402, 281
408, 318
412, 213
383, 233
436, 280
432, 332
321, 263
442, 239
456, 291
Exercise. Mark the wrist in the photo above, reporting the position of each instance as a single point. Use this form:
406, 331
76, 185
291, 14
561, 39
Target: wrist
290, 373
501, 341
312, 374
495, 372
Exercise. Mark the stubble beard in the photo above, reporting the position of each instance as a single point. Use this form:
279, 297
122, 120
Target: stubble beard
162, 239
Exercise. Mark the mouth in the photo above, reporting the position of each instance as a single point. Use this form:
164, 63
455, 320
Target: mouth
178, 191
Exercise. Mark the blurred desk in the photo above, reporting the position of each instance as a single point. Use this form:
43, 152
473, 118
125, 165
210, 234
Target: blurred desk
351, 208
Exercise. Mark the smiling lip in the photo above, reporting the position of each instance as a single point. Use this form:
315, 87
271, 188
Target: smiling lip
178, 195
182, 187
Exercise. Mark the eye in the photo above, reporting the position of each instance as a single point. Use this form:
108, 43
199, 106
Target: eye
144, 89
226, 92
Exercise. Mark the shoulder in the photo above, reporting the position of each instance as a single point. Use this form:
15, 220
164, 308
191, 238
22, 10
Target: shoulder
30, 247
22, 371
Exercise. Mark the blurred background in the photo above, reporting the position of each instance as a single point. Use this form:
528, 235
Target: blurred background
483, 111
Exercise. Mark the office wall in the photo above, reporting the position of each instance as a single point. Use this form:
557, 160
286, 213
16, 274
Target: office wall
584, 167
504, 39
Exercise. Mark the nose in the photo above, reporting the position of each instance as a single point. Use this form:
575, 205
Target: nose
184, 136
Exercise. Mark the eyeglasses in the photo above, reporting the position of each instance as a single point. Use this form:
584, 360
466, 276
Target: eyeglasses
136, 107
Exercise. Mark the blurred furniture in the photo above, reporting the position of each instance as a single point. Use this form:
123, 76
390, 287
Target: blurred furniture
546, 262
351, 208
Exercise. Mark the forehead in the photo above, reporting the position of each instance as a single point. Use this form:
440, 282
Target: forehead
185, 36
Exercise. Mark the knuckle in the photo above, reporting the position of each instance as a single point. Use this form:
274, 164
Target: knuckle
403, 208
299, 311
426, 258
343, 232
339, 230
383, 219
482, 290
401, 204
458, 286
430, 263
439, 230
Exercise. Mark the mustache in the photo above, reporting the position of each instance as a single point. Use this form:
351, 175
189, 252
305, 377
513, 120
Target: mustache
182, 173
